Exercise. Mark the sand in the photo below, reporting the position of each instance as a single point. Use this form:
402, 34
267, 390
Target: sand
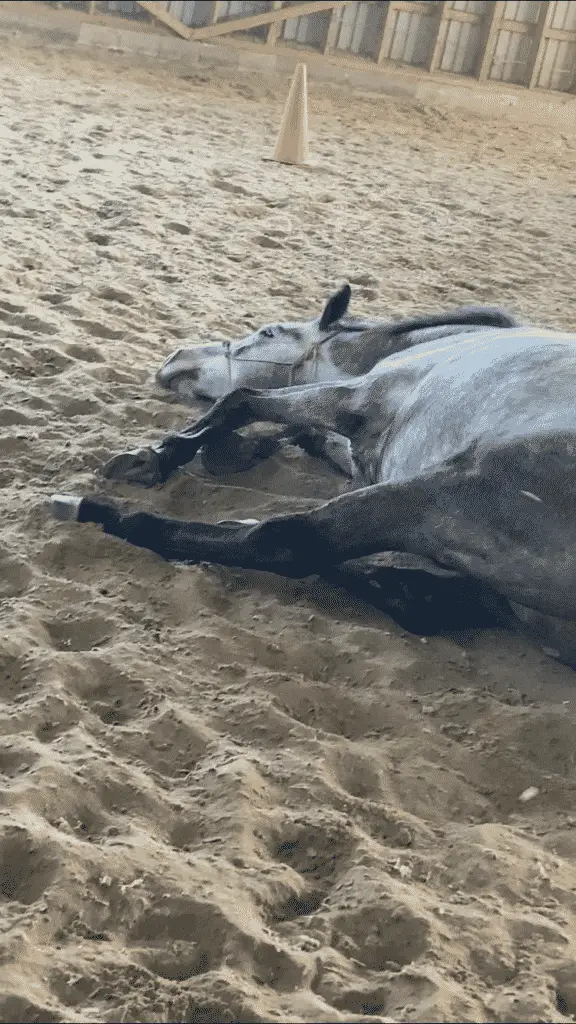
225, 797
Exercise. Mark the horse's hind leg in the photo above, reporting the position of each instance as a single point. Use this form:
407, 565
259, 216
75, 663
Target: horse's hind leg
320, 407
420, 597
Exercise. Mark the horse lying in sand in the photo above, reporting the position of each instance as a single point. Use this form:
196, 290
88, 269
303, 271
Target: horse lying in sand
457, 430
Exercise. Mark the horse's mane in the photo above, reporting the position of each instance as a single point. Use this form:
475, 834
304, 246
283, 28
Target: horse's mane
362, 343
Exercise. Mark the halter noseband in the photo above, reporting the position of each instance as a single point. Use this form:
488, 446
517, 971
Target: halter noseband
311, 354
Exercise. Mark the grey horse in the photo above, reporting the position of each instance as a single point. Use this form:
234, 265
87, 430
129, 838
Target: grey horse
457, 430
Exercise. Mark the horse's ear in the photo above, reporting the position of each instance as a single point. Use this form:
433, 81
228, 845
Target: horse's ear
336, 307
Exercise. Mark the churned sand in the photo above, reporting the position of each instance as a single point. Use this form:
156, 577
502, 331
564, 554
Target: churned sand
225, 797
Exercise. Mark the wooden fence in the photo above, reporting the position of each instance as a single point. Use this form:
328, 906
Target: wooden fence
527, 43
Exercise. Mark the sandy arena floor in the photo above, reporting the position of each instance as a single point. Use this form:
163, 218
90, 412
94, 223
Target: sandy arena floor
225, 797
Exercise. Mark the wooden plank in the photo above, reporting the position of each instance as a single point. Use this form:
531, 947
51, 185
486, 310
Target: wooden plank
416, 7
539, 41
388, 26
493, 23
274, 30
216, 12
266, 18
333, 29
563, 35
439, 16
91, 6
158, 12
466, 17
518, 27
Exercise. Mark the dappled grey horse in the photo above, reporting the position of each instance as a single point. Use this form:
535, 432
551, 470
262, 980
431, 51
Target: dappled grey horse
458, 432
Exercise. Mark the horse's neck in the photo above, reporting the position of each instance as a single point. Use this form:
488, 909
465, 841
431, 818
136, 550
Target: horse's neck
355, 351
358, 353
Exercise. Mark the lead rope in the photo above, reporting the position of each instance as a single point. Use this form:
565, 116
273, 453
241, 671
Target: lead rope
228, 357
315, 363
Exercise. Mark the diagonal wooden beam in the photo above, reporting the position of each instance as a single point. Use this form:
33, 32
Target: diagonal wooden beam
159, 12
266, 18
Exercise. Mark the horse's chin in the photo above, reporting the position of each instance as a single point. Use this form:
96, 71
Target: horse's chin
200, 396
190, 392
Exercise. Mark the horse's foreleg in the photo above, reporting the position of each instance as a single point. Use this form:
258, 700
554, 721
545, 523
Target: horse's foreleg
378, 518
322, 407
325, 445
232, 453
231, 543
477, 522
384, 517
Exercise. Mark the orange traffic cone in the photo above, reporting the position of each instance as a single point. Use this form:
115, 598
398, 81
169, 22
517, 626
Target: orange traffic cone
292, 144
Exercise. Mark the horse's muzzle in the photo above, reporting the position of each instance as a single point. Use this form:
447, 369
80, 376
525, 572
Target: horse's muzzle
177, 365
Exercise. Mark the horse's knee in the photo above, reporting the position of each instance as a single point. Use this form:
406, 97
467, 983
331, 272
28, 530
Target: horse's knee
232, 453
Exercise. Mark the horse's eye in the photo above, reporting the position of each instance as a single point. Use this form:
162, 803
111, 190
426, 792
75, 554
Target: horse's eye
267, 332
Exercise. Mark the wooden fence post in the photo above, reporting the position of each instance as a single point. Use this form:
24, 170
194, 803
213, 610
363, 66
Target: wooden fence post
333, 29
436, 48
534, 62
388, 25
490, 41
274, 27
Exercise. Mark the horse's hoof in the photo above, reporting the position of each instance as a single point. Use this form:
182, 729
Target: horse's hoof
140, 466
66, 507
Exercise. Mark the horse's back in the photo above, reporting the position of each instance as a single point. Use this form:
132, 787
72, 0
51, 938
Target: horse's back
474, 349
484, 392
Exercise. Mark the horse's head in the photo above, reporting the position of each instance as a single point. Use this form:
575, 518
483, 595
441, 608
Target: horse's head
331, 347
274, 357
